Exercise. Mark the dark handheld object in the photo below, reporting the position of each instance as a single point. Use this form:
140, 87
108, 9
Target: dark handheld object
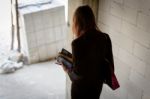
66, 53
65, 58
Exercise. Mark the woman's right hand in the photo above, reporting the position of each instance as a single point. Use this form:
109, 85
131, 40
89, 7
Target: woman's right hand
64, 68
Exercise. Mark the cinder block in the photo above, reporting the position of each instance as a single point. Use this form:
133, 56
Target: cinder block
38, 21
104, 28
48, 19
123, 78
147, 72
143, 21
104, 17
62, 16
42, 51
136, 4
110, 20
33, 55
33, 59
104, 5
132, 61
134, 92
142, 52
135, 33
58, 33
101, 97
108, 95
115, 23
59, 46
32, 44
31, 37
50, 35
64, 31
51, 50
130, 15
53, 35
56, 18
117, 8
119, 1
123, 93
65, 44
140, 81
145, 96
122, 40
115, 49
40, 38
122, 72
31, 40
28, 23
33, 51
145, 7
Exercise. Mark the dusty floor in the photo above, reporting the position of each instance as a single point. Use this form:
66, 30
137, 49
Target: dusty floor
38, 81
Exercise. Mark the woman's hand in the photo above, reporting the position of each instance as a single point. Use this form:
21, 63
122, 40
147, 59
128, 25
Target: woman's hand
64, 68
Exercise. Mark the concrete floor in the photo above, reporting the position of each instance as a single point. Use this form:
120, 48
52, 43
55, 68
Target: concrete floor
38, 81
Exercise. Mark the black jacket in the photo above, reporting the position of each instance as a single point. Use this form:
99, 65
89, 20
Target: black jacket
89, 51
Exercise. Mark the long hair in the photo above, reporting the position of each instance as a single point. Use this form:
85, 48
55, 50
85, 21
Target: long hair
83, 20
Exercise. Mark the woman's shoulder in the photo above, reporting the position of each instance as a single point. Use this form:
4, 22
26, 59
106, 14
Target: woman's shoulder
100, 34
90, 34
76, 41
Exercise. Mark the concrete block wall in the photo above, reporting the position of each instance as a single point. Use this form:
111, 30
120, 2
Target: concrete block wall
128, 24
43, 33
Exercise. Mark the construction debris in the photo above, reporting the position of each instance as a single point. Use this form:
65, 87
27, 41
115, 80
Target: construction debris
12, 63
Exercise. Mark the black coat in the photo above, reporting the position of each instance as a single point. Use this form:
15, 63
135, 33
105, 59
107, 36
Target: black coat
89, 51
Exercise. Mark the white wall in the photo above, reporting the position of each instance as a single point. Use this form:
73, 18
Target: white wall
128, 24
5, 19
5, 27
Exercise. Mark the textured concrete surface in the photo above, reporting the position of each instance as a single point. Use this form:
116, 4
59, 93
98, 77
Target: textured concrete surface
38, 81
127, 22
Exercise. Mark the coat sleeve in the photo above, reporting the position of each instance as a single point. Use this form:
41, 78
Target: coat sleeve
109, 53
75, 72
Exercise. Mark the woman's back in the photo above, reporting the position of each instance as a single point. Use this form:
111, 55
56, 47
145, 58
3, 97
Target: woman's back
89, 56
89, 50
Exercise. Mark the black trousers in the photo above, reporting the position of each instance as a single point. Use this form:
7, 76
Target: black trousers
86, 91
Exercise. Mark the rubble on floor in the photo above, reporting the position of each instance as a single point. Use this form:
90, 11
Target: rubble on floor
10, 64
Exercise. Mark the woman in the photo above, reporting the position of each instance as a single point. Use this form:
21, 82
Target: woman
89, 50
